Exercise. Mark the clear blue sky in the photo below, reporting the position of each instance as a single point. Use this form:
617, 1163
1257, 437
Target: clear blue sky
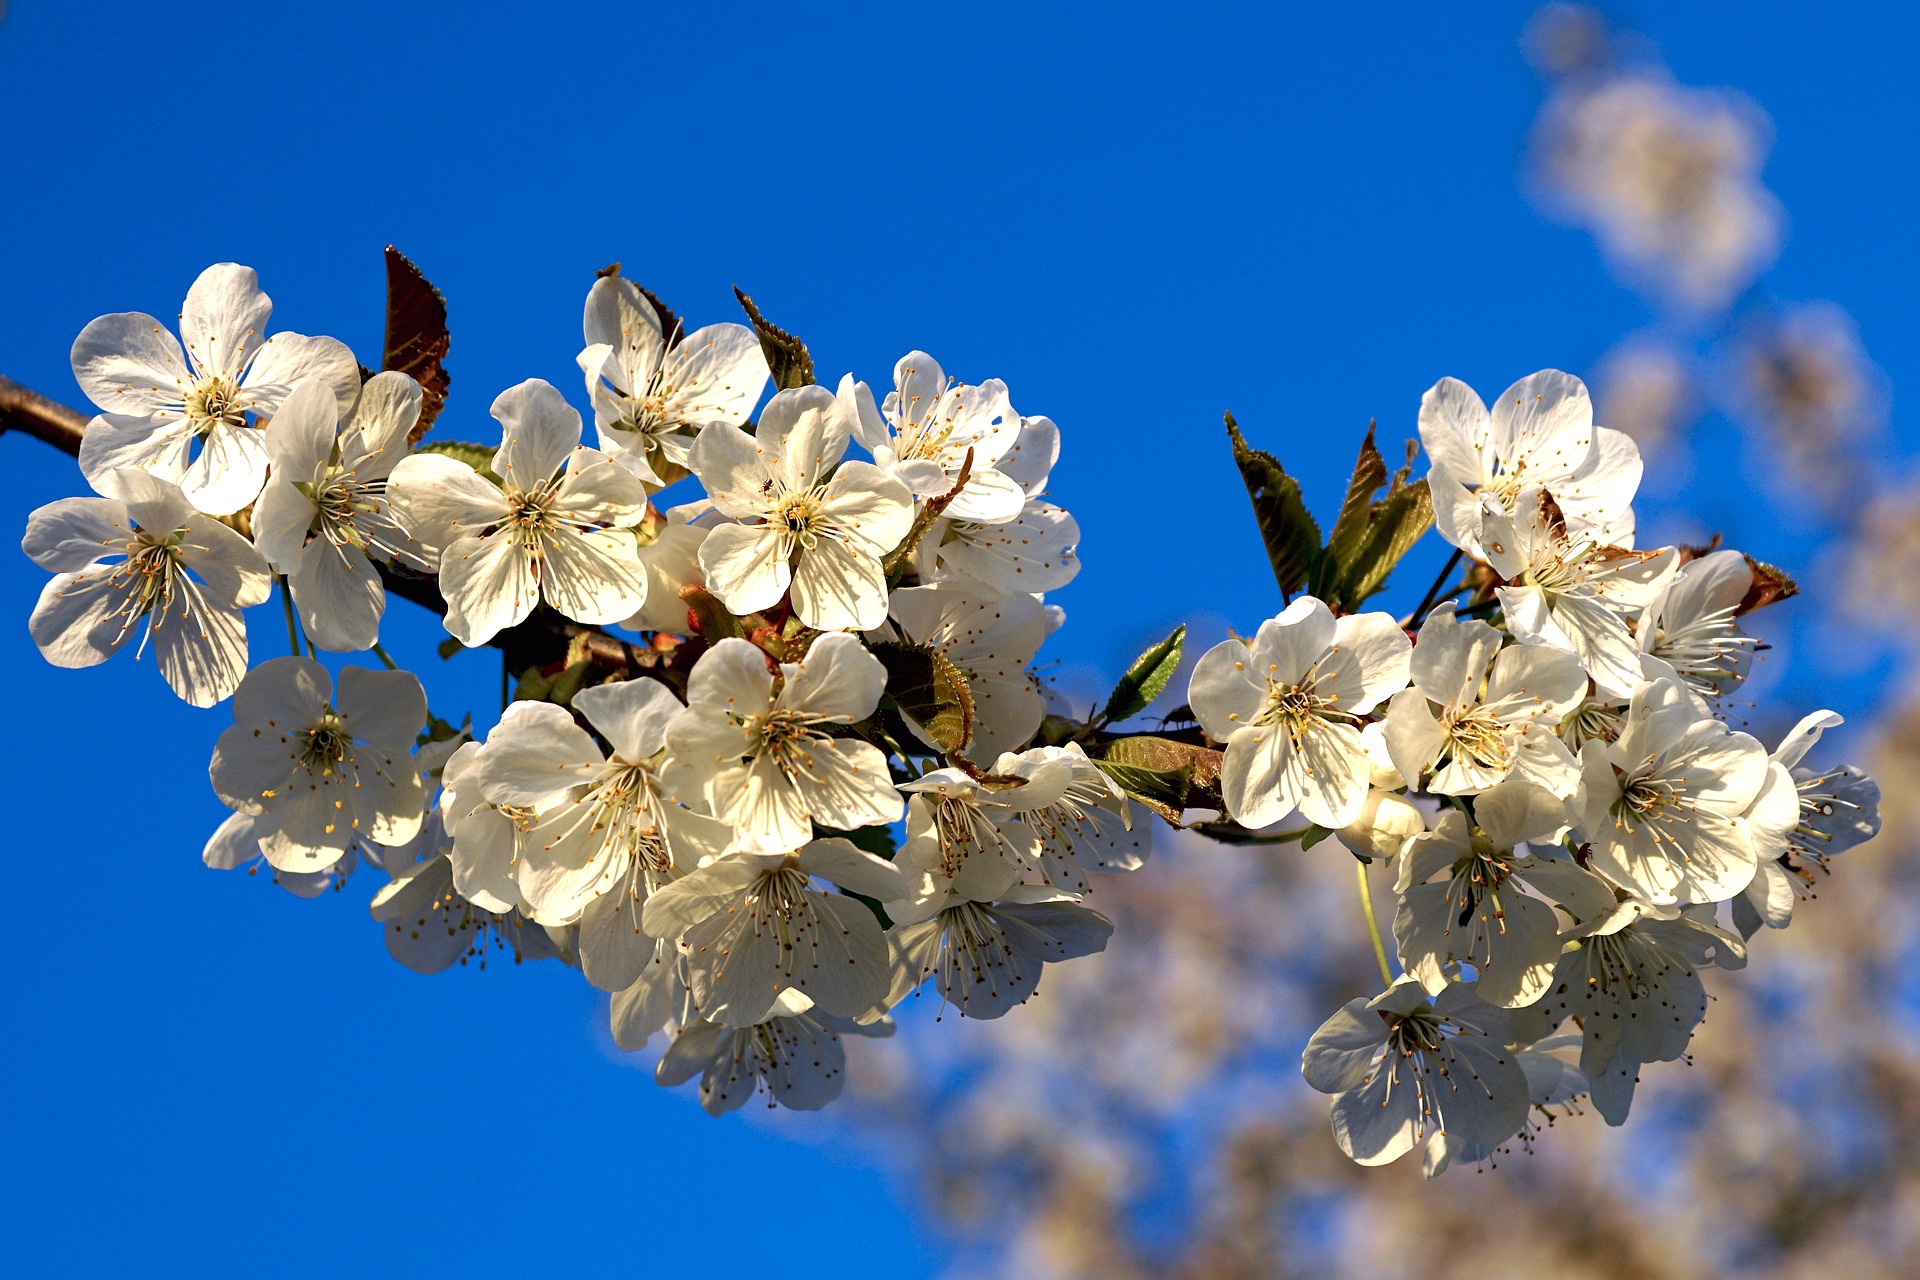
1136, 215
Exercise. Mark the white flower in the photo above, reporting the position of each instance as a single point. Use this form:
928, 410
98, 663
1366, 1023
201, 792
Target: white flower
323, 774
1385, 823
1552, 1081
1033, 553
540, 535
1692, 633
323, 518
429, 925
822, 535
481, 838
606, 834
1804, 815
1480, 913
991, 642
652, 392
1069, 817
1404, 1069
754, 927
1288, 706
931, 425
236, 843
1664, 804
1498, 710
762, 760
796, 1056
1633, 983
962, 835
1566, 589
185, 574
672, 562
985, 947
1540, 435
160, 402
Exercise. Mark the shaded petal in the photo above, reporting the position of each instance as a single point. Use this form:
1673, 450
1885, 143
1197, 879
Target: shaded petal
128, 364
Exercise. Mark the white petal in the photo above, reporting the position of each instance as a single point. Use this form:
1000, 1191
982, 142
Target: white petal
224, 320
489, 586
128, 364
538, 430
385, 709
632, 715
744, 566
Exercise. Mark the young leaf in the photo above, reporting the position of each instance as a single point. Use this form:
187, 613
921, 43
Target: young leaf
1146, 677
1162, 790
930, 691
417, 340
786, 355
1398, 522
1291, 536
1770, 585
1356, 511
1201, 765
477, 456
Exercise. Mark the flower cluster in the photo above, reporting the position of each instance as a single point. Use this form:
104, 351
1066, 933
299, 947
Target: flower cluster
778, 759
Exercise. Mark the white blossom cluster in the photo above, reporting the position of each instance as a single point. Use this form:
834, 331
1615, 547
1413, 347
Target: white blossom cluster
697, 840
1551, 771
827, 649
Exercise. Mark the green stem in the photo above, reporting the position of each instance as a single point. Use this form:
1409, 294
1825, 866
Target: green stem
293, 623
381, 654
1373, 925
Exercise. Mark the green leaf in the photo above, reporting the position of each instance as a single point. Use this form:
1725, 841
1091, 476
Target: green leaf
877, 841
1398, 521
786, 355
1356, 512
1315, 834
1162, 790
1291, 536
477, 456
417, 340
1163, 755
931, 691
1146, 677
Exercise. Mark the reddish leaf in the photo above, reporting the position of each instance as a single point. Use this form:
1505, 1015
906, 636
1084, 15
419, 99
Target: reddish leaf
417, 337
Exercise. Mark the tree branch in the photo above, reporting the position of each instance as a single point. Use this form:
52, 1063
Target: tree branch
541, 640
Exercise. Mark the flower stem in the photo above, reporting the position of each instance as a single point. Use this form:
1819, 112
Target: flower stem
1373, 926
1432, 597
381, 654
293, 623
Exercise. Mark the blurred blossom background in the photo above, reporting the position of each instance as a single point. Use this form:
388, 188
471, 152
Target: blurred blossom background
1700, 213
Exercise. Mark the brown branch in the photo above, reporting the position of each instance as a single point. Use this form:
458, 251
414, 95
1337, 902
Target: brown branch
41, 418
541, 640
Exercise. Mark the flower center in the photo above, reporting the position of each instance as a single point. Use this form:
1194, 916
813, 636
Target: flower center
214, 402
324, 748
530, 515
783, 735
1294, 707
1477, 735
645, 415
148, 574
799, 517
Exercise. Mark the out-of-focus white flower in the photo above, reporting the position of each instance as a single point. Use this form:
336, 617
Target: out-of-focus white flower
324, 772
1497, 710
185, 574
930, 427
1802, 376
1665, 804
752, 926
542, 534
763, 761
1539, 435
808, 522
985, 947
795, 1055
1667, 178
1567, 590
1403, 1069
992, 642
1287, 706
323, 518
653, 392
1648, 390
160, 402
1692, 632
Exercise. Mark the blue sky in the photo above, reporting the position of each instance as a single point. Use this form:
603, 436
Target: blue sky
1138, 216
